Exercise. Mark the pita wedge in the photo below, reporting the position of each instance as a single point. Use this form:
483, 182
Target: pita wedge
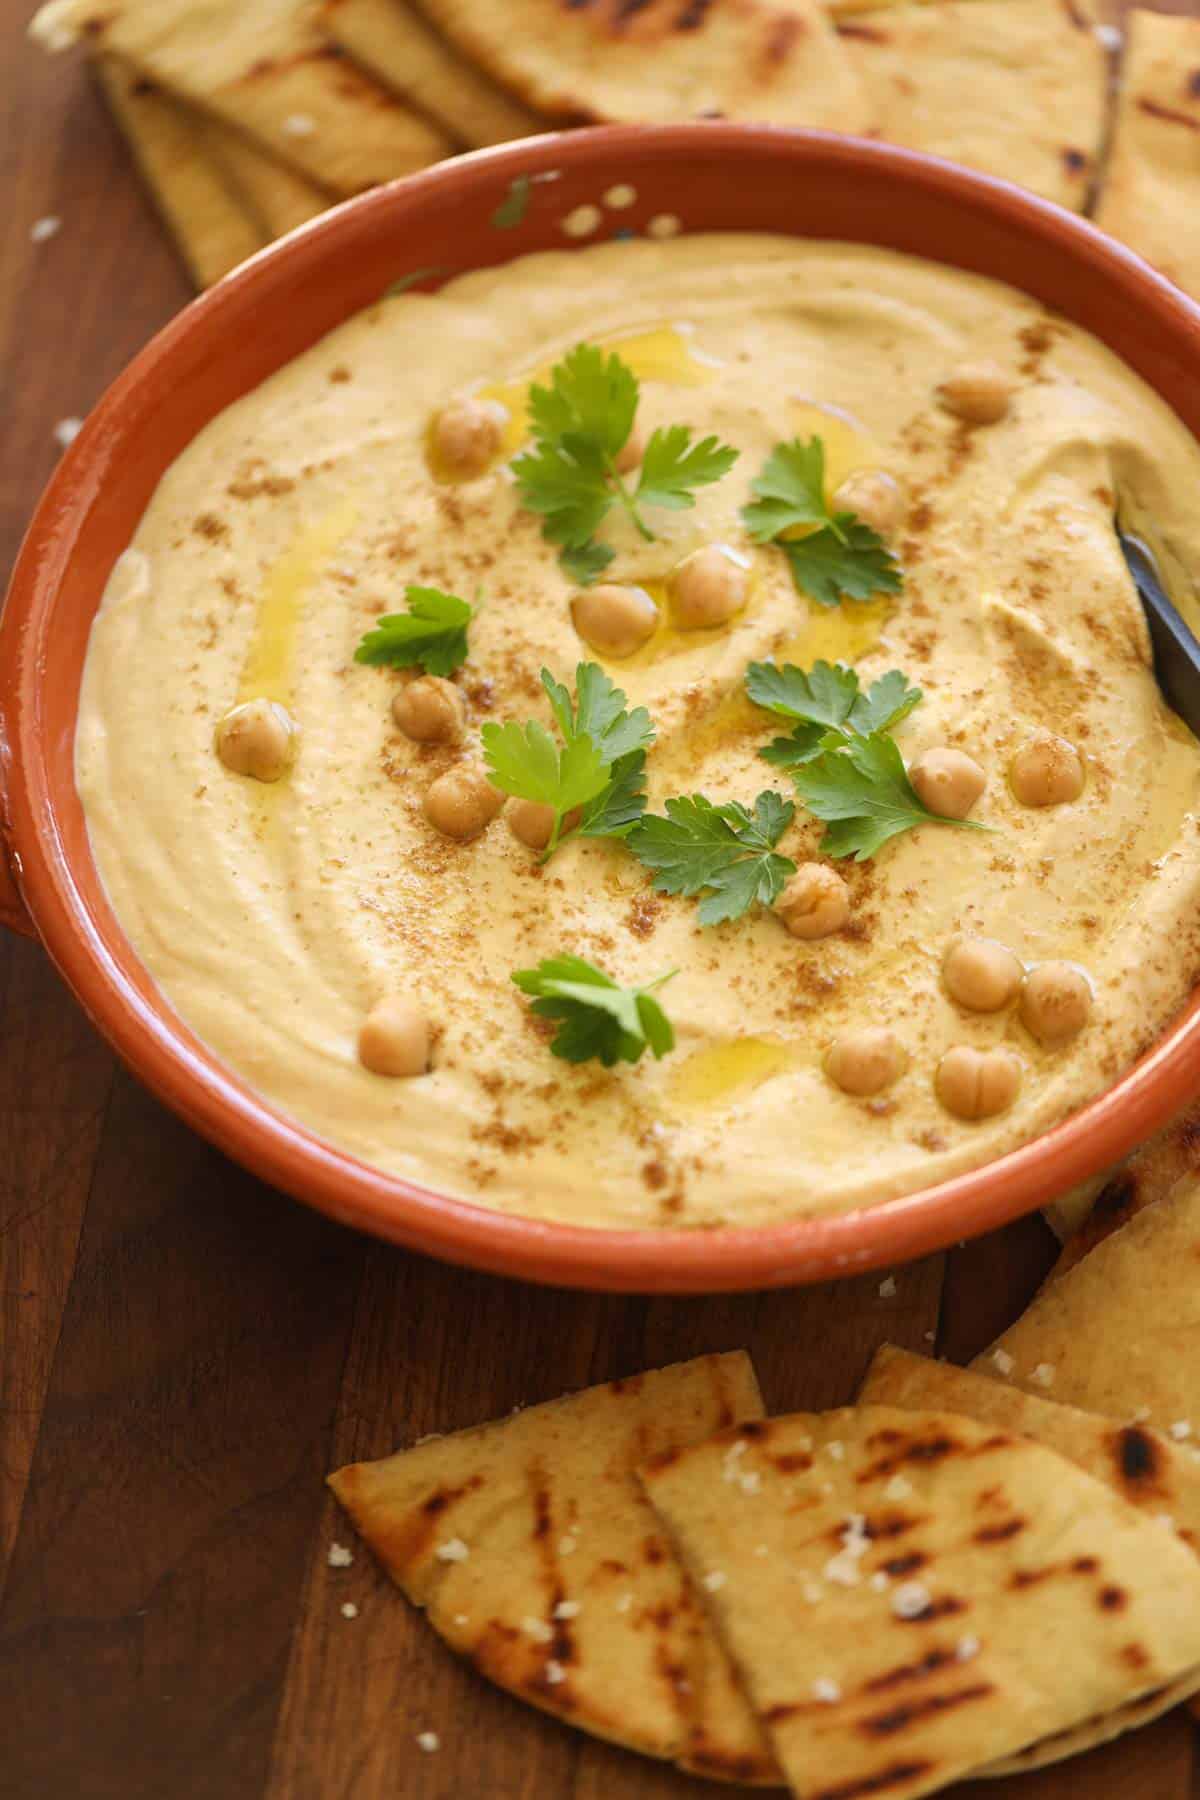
213, 229
913, 1596
1119, 1333
396, 45
1142, 1180
536, 1556
662, 59
1151, 195
1151, 1471
1016, 88
280, 197
262, 66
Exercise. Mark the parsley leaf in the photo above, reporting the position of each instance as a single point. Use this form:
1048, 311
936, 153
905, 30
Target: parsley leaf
862, 791
433, 633
790, 490
727, 849
598, 768
827, 702
597, 1016
844, 559
581, 422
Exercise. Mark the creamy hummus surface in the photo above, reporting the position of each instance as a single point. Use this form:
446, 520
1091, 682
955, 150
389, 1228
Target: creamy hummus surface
275, 917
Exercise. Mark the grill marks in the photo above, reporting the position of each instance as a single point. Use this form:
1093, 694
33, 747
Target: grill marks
909, 1712
895, 1775
1170, 115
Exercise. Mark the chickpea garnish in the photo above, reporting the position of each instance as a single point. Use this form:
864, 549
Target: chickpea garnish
614, 620
978, 392
865, 1062
1047, 771
815, 902
948, 782
467, 435
430, 710
394, 1038
532, 823
1056, 1002
977, 1084
257, 739
981, 974
872, 496
462, 802
708, 588
631, 452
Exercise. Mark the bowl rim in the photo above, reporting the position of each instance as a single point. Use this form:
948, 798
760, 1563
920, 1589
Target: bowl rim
156, 1044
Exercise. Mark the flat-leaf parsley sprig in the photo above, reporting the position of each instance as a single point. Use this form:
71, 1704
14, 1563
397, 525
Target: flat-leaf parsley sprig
827, 703
432, 633
840, 557
727, 852
597, 768
596, 1015
580, 425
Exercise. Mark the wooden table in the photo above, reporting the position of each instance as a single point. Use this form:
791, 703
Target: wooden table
184, 1353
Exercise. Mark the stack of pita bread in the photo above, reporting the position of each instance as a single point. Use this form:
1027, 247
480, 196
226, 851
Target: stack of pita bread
249, 116
970, 1572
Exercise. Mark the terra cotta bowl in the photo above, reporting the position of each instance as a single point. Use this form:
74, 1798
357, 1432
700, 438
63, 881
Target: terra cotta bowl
711, 176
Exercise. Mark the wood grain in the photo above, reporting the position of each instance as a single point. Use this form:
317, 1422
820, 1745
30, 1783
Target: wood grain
183, 1354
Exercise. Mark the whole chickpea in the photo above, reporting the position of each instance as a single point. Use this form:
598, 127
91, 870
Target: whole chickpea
257, 739
865, 1062
462, 802
430, 710
467, 435
947, 781
1056, 1002
532, 823
394, 1038
977, 1084
978, 392
614, 620
872, 496
1047, 771
815, 902
631, 452
981, 974
708, 588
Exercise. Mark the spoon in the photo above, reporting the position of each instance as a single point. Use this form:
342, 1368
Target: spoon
1176, 649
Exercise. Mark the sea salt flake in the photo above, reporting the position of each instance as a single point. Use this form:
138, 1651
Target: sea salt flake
1181, 1429
452, 1551
898, 1488
462, 1618
837, 1450
537, 1629
567, 1546
555, 1673
966, 1648
813, 1592
761, 1550
1165, 1519
910, 1600
826, 1690
567, 1609
751, 1482
887, 1288
1110, 36
624, 1603
339, 1556
716, 1578
300, 125
349, 1610
1044, 1374
429, 1741
1140, 1416
66, 431
880, 1581
43, 229
1003, 1361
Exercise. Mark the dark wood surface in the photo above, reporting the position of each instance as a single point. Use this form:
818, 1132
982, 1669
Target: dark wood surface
184, 1353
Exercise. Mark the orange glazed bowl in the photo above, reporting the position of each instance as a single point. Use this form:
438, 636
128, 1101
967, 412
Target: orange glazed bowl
472, 212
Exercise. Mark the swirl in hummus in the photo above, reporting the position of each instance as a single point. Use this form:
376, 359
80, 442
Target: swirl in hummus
811, 1074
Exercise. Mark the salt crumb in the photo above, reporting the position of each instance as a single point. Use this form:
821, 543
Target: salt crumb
1166, 1520
67, 430
761, 1550
349, 1610
1141, 1415
826, 1690
43, 229
967, 1648
887, 1288
813, 1592
339, 1556
567, 1609
1181, 1429
452, 1551
537, 1629
910, 1601
568, 1545
555, 1673
1110, 36
300, 125
716, 1578
751, 1482
664, 225
1003, 1361
837, 1450
429, 1741
930, 1337
624, 1603
898, 1488
1044, 1374
880, 1581
462, 1618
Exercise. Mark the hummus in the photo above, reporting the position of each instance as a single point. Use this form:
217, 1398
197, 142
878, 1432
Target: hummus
275, 917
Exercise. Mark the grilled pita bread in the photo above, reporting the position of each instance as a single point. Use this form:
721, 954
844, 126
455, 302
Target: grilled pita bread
212, 228
1149, 1470
262, 66
1022, 1598
664, 59
394, 44
280, 198
1140, 1181
536, 1556
1016, 88
1151, 197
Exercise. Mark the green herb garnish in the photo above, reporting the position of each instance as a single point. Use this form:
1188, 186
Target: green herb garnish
597, 768
727, 850
580, 425
862, 791
826, 700
433, 633
597, 1016
840, 557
